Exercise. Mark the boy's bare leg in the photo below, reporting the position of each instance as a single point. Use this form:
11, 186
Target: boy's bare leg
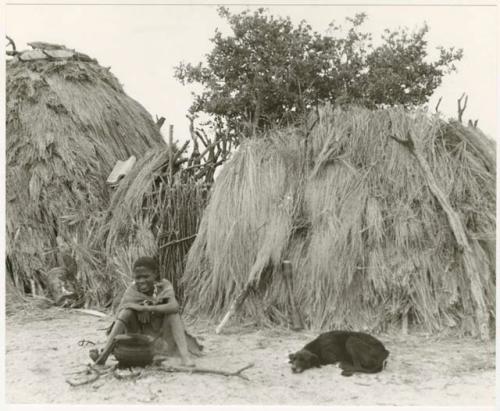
177, 334
119, 327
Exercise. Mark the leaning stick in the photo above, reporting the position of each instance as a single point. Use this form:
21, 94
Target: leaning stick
253, 278
171, 152
196, 370
296, 319
235, 305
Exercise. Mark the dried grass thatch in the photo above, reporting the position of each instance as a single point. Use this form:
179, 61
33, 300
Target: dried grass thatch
152, 214
368, 241
68, 122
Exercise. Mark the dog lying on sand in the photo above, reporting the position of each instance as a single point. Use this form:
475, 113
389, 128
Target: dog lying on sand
355, 351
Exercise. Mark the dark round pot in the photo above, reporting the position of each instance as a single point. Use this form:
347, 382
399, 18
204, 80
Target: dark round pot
133, 350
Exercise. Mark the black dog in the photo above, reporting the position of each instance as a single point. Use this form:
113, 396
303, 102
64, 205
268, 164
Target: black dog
356, 352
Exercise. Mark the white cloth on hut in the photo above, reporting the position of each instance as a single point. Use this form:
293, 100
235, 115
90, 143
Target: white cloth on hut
120, 170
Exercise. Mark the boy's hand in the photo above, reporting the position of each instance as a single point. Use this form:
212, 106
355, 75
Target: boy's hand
135, 307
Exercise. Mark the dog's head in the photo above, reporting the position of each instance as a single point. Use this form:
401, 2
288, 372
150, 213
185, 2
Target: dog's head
302, 360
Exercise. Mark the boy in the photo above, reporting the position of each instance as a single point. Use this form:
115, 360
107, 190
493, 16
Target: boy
149, 307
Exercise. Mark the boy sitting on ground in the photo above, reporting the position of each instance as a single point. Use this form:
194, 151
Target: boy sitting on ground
148, 306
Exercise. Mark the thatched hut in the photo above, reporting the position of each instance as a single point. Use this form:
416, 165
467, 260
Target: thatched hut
68, 122
368, 207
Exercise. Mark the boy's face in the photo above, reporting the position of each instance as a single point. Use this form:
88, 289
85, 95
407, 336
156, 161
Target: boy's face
144, 279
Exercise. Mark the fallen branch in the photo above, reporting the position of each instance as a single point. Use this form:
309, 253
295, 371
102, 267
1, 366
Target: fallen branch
91, 370
236, 373
95, 313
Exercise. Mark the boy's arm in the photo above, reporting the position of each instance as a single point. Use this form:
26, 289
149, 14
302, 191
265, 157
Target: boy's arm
172, 307
168, 304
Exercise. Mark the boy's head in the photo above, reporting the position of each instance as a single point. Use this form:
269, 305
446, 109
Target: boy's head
145, 274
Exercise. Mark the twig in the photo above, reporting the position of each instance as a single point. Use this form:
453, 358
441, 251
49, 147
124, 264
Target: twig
171, 152
133, 375
408, 142
95, 313
178, 241
461, 108
84, 342
207, 371
160, 121
11, 43
94, 377
438, 103
90, 369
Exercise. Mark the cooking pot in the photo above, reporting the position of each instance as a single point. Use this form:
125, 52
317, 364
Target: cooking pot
133, 350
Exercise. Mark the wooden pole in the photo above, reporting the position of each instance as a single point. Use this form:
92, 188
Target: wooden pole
171, 152
235, 305
253, 279
297, 324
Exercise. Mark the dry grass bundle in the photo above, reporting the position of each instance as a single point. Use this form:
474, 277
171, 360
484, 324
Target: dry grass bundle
369, 242
68, 122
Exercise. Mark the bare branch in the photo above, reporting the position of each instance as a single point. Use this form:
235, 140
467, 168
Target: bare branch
438, 103
160, 121
472, 124
236, 373
408, 142
14, 51
461, 108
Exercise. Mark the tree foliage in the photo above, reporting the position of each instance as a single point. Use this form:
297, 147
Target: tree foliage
270, 71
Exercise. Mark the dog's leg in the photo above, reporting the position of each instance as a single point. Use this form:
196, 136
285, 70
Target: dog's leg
365, 357
347, 369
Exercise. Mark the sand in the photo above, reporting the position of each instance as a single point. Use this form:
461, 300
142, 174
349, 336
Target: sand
42, 348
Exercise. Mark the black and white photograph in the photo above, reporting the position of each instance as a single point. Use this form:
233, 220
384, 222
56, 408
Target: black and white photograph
267, 203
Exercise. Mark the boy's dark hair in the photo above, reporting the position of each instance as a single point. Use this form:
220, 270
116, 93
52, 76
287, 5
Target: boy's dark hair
146, 262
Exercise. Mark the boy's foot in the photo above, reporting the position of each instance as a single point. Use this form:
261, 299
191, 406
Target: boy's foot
187, 362
94, 354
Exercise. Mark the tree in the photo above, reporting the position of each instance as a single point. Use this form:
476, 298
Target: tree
271, 72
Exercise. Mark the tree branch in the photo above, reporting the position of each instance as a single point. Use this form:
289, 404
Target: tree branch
461, 108
14, 51
196, 370
438, 103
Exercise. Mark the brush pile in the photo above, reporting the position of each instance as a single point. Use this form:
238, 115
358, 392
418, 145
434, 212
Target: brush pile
355, 210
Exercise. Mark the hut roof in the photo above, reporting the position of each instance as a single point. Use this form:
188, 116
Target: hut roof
68, 122
352, 210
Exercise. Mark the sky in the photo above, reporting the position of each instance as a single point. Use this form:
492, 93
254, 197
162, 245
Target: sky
142, 45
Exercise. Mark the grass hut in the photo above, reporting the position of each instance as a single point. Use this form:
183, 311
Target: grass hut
68, 122
356, 204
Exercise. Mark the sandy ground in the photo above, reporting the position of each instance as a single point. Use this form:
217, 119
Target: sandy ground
42, 348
